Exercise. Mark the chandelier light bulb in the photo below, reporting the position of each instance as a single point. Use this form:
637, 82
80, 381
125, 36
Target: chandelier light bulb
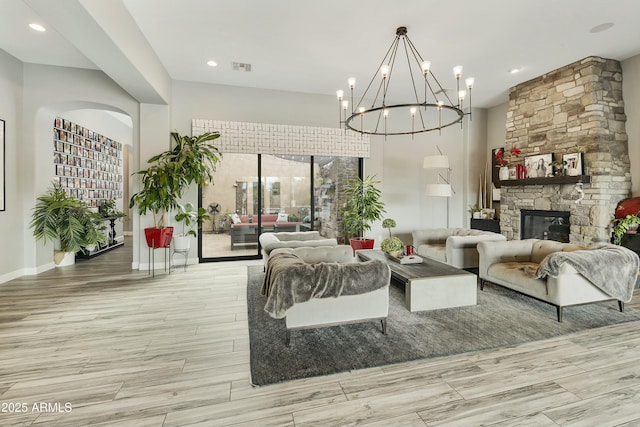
340, 94
384, 70
469, 82
361, 110
345, 104
426, 66
413, 111
457, 71
386, 113
352, 82
462, 94
440, 104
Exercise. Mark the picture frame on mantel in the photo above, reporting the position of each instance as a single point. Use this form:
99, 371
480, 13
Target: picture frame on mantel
539, 166
574, 163
2, 168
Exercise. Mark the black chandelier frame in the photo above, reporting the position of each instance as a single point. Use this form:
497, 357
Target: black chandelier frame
435, 96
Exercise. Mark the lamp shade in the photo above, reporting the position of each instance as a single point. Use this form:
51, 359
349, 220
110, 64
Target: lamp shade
436, 162
438, 190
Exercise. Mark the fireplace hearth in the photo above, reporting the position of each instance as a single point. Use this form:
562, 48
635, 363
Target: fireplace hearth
546, 225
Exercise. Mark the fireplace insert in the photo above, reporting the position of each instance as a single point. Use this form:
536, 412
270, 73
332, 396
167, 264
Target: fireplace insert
547, 225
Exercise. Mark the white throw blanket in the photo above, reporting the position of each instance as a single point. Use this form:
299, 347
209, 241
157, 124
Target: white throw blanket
613, 269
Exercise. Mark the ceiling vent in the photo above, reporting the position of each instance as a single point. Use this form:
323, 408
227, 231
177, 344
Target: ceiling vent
241, 66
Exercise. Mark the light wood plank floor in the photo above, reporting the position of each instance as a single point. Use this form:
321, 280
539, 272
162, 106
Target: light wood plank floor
99, 344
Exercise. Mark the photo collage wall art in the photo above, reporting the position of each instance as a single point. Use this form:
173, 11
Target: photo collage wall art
87, 165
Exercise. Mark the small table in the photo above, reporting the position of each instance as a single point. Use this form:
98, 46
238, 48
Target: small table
430, 285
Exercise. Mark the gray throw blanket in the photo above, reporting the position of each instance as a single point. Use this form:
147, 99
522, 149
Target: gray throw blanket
613, 269
289, 280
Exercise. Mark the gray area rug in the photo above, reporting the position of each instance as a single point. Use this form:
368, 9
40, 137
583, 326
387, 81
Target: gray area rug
501, 318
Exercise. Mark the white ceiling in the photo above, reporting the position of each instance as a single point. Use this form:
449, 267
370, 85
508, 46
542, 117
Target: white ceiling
314, 47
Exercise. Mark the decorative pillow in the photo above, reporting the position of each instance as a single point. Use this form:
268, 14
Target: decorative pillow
235, 218
282, 217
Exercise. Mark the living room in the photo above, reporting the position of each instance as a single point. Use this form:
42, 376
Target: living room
118, 74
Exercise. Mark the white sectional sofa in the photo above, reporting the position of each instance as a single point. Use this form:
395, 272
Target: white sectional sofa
318, 312
291, 239
511, 264
453, 246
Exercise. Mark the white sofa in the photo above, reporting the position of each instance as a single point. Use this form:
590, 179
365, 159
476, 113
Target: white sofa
292, 239
510, 263
453, 246
318, 312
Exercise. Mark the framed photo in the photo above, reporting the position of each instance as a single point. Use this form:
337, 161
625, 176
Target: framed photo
539, 166
574, 163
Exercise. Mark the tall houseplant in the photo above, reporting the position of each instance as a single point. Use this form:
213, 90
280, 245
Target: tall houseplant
192, 160
67, 220
363, 207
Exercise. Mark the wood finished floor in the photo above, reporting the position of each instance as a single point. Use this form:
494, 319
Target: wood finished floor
127, 350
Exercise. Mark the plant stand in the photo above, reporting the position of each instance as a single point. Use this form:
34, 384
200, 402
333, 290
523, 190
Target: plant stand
184, 253
152, 258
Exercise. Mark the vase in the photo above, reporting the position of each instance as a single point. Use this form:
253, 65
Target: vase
504, 173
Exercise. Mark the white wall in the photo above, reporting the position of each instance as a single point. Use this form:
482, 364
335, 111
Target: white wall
11, 219
31, 96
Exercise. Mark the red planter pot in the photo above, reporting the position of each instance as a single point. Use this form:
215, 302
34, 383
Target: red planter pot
357, 244
158, 237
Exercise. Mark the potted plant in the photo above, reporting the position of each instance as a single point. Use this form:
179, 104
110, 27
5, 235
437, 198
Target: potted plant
108, 209
621, 226
475, 211
503, 163
389, 223
391, 245
363, 207
68, 222
192, 220
193, 160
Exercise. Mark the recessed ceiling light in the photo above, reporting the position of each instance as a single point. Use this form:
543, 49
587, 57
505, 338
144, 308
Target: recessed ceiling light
514, 70
212, 63
37, 27
602, 27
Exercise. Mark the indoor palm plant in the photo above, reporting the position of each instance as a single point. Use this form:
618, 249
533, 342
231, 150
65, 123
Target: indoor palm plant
363, 207
193, 160
68, 222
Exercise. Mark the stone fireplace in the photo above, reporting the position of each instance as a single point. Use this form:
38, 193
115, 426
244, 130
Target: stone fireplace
579, 104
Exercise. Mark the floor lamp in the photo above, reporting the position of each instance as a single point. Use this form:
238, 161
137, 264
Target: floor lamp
439, 189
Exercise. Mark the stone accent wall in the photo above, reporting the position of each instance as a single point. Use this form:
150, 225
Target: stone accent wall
266, 138
579, 104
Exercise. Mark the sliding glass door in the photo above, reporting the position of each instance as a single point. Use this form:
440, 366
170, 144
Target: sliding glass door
232, 202
252, 194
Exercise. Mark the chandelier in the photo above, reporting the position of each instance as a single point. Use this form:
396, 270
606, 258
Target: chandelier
378, 113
